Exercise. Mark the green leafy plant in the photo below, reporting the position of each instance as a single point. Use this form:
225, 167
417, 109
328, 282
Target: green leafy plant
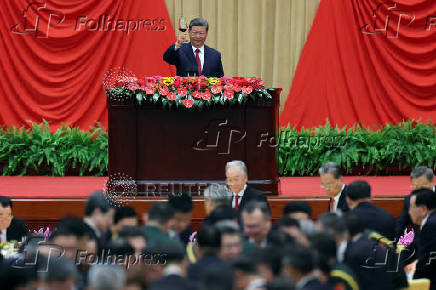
392, 149
37, 151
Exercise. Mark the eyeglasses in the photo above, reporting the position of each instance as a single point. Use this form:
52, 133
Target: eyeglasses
328, 185
195, 33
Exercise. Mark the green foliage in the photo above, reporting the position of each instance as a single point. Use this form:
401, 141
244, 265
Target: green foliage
37, 151
389, 150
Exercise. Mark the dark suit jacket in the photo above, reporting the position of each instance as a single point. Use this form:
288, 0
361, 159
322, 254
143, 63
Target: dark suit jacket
184, 60
315, 284
342, 203
377, 219
172, 282
17, 230
251, 194
361, 256
426, 266
196, 271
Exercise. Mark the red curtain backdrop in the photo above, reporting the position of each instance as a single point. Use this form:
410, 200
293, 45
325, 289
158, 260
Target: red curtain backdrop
352, 72
54, 55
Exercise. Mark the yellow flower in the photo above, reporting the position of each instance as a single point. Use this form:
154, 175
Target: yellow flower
213, 81
168, 81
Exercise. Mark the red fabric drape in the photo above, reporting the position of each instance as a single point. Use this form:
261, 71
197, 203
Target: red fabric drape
349, 72
56, 71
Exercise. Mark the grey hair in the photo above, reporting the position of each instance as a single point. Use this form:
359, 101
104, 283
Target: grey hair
106, 277
225, 225
237, 163
422, 171
199, 22
332, 168
219, 193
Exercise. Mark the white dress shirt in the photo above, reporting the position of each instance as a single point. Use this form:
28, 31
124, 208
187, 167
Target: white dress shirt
200, 54
3, 236
337, 197
240, 194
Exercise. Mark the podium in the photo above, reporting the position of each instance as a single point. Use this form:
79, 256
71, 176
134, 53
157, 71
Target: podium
177, 150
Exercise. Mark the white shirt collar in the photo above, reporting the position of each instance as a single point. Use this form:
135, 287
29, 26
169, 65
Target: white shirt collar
241, 193
93, 226
337, 197
424, 221
201, 49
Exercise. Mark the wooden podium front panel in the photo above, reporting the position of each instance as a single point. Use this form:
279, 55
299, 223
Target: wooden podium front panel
153, 145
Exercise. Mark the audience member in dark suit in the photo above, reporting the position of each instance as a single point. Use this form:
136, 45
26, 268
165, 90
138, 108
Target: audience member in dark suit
236, 178
195, 56
174, 269
124, 216
371, 216
298, 210
98, 216
420, 177
11, 228
367, 259
299, 265
246, 274
256, 219
333, 184
182, 204
209, 243
423, 213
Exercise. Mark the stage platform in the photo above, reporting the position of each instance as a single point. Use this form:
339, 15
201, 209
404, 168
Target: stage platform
42, 200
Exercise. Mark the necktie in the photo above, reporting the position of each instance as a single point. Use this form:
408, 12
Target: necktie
197, 58
236, 201
332, 205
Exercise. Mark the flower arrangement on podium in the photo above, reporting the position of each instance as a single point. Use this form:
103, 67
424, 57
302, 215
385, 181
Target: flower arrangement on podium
189, 92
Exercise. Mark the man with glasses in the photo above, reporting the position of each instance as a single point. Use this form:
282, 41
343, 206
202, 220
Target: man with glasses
12, 228
333, 185
195, 58
421, 177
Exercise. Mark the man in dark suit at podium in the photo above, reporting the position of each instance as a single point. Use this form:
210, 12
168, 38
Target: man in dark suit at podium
11, 228
333, 185
195, 58
236, 178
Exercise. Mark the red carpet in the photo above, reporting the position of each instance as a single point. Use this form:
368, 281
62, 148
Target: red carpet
81, 187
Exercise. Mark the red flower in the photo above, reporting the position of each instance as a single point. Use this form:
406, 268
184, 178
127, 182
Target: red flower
196, 94
247, 90
133, 86
237, 88
206, 95
176, 83
229, 94
163, 90
149, 90
188, 103
182, 91
171, 96
216, 89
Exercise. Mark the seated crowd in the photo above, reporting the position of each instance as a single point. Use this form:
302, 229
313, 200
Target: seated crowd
353, 245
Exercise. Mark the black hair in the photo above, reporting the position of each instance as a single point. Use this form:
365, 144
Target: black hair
171, 251
119, 247
161, 212
209, 239
131, 231
358, 190
123, 212
296, 207
325, 245
181, 202
245, 264
425, 197
222, 212
332, 168
262, 206
422, 171
271, 257
217, 278
71, 226
353, 222
199, 22
5, 201
333, 223
97, 200
288, 222
279, 238
228, 227
301, 258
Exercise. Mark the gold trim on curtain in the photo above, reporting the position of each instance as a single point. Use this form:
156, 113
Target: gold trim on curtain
261, 38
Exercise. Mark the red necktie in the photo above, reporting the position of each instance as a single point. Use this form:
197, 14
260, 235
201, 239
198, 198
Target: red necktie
236, 201
332, 205
197, 58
